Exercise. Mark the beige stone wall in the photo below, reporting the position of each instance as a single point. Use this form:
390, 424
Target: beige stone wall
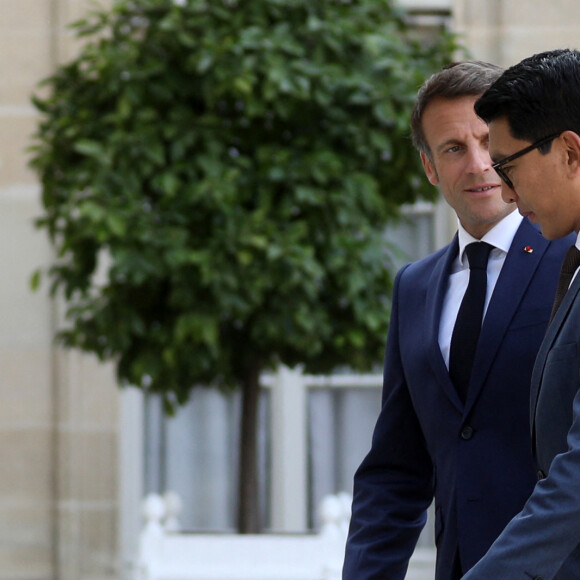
58, 411
505, 31
26, 386
86, 507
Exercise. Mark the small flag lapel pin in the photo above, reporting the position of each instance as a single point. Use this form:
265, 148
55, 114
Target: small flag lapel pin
528, 250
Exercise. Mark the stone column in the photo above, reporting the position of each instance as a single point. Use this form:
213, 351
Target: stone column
59, 419
26, 386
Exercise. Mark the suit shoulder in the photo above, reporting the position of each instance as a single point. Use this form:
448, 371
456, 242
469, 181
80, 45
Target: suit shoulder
425, 265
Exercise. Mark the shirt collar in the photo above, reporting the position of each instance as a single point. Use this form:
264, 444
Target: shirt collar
500, 236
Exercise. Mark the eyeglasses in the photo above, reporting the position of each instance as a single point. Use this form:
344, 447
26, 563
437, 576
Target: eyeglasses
498, 166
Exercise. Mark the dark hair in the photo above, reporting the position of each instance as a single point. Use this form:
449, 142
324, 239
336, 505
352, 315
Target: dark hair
459, 79
539, 96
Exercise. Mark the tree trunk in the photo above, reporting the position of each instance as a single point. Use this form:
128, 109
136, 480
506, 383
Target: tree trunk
248, 506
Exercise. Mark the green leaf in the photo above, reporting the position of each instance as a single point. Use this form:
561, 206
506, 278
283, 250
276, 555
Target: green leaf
89, 148
35, 280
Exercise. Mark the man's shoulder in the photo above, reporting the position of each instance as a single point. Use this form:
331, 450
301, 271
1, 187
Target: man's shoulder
416, 275
429, 262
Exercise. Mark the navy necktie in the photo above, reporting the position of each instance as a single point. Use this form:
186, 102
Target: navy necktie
468, 324
569, 266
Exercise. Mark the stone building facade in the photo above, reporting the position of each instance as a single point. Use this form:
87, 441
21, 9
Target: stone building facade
59, 412
61, 474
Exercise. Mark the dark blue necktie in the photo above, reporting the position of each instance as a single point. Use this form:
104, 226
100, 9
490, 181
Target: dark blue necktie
468, 324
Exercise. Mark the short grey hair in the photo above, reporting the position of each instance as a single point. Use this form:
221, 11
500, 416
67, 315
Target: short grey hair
459, 79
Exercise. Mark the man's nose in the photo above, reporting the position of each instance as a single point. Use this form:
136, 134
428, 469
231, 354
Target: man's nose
480, 160
508, 194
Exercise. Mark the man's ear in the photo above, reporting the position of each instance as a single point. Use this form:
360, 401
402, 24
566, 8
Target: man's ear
430, 170
572, 150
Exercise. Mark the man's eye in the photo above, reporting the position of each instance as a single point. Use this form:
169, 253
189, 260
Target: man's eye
454, 149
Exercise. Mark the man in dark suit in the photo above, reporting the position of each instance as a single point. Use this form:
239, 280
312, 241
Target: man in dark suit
454, 419
533, 113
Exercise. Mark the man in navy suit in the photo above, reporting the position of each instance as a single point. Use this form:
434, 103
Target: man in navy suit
470, 451
533, 112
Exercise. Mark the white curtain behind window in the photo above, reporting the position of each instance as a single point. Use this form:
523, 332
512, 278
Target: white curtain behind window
195, 454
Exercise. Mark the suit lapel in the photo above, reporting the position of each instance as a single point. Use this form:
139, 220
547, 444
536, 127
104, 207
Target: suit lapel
547, 343
437, 287
515, 276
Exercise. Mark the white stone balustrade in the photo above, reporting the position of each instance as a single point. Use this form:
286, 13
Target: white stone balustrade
167, 554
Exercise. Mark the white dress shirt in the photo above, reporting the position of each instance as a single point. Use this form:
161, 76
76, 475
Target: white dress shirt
500, 237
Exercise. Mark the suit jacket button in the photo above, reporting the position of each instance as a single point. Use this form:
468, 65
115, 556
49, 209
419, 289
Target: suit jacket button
541, 475
467, 432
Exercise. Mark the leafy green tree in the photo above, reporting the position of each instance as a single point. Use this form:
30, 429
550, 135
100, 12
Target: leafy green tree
228, 167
